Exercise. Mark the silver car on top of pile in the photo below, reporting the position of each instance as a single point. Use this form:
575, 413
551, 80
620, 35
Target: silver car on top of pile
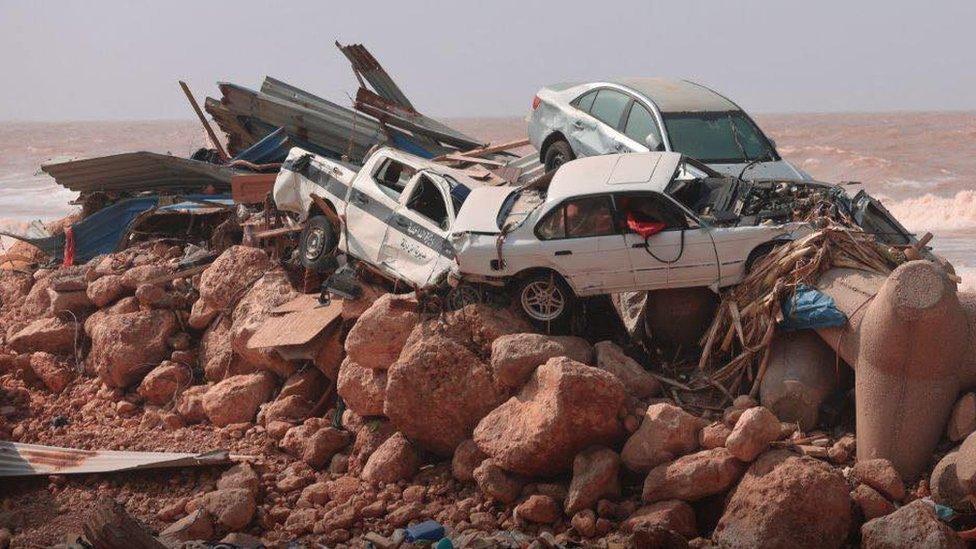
575, 120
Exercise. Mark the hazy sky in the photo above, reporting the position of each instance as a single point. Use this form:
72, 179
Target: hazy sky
121, 60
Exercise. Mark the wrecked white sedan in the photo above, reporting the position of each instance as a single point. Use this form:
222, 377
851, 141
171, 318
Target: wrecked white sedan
610, 224
606, 224
576, 120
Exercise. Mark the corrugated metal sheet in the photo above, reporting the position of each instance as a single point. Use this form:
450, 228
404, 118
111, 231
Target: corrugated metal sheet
138, 171
366, 66
20, 460
336, 131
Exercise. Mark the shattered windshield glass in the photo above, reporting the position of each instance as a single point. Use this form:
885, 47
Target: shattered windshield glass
717, 137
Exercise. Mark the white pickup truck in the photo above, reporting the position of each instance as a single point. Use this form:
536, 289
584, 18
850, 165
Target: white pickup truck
398, 210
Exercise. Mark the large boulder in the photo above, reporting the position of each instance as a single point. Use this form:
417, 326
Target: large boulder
675, 515
225, 280
666, 433
638, 381
787, 500
474, 326
237, 398
362, 389
596, 476
914, 525
947, 488
271, 290
565, 407
50, 335
70, 303
515, 356
880, 474
693, 477
377, 338
137, 276
165, 382
437, 392
126, 346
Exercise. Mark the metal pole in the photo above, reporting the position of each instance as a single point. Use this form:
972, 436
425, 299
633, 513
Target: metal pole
203, 120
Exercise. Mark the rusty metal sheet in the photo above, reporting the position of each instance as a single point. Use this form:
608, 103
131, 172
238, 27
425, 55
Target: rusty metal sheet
296, 328
20, 460
251, 188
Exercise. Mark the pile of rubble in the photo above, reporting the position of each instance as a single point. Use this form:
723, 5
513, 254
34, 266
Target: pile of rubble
500, 435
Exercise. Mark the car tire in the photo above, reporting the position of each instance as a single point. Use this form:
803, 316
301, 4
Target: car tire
558, 154
317, 242
760, 252
546, 300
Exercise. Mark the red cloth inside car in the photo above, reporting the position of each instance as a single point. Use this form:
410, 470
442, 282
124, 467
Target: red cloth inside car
644, 227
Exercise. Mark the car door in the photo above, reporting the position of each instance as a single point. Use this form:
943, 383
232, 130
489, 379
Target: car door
637, 126
418, 238
679, 256
372, 203
581, 240
598, 133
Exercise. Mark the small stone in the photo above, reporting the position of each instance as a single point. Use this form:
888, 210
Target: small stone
881, 475
595, 475
467, 457
584, 522
666, 433
714, 435
233, 508
538, 509
872, 503
962, 422
672, 514
396, 459
497, 483
914, 525
196, 525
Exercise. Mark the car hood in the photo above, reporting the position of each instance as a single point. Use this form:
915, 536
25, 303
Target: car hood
479, 214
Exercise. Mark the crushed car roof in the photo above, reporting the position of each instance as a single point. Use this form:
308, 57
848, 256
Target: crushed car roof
672, 95
650, 171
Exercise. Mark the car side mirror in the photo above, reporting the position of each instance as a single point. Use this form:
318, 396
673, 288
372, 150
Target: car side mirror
652, 143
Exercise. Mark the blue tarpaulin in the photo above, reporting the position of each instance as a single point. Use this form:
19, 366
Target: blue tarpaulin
810, 309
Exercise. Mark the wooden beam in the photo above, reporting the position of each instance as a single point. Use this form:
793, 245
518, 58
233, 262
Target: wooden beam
203, 120
480, 151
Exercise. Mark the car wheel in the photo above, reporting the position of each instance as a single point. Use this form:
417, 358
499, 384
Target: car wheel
317, 242
558, 154
546, 300
761, 252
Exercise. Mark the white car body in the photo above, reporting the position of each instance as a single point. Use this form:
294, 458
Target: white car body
695, 255
558, 114
380, 226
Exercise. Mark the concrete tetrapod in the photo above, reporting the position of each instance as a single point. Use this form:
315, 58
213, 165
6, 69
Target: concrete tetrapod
908, 338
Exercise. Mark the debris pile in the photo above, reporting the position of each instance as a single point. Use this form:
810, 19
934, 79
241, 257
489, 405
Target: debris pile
371, 418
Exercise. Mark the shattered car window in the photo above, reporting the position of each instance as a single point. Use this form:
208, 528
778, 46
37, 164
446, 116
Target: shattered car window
608, 107
553, 226
392, 177
717, 137
427, 200
591, 216
640, 124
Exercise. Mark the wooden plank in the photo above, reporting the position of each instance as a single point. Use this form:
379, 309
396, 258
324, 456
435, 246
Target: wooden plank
203, 120
493, 148
473, 160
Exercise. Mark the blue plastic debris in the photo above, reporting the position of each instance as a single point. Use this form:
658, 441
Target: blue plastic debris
429, 530
444, 543
810, 309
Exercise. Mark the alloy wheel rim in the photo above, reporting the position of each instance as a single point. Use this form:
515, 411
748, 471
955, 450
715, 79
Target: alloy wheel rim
314, 243
542, 300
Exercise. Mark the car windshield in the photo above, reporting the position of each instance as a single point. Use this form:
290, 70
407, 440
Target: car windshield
717, 137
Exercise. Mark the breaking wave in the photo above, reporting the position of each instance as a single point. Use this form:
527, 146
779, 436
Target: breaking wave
931, 212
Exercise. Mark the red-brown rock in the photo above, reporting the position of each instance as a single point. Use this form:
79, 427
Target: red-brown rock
693, 477
596, 472
396, 459
237, 398
225, 280
377, 338
216, 354
881, 475
437, 392
787, 500
189, 405
672, 514
565, 407
538, 509
106, 290
54, 372
126, 346
324, 444
871, 503
667, 432
714, 435
467, 458
635, 378
515, 356
914, 525
270, 291
498, 483
50, 335
165, 382
362, 389
233, 508
753, 432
